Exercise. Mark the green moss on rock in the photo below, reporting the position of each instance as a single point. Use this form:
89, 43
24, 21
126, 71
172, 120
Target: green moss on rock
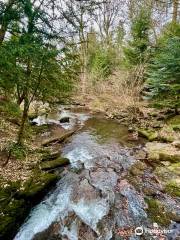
138, 168
175, 168
175, 122
10, 216
173, 188
158, 213
162, 152
148, 133
16, 200
12, 210
38, 184
171, 157
167, 134
59, 162
168, 173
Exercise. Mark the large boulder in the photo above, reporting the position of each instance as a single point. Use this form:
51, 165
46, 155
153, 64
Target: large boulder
170, 178
17, 198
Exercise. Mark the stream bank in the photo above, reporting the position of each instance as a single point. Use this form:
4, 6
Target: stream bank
112, 185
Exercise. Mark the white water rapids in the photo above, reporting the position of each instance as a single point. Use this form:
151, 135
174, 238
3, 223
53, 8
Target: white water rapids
92, 199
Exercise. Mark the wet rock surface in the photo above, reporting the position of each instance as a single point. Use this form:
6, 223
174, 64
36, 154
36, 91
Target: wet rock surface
107, 192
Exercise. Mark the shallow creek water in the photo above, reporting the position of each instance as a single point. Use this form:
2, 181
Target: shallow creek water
92, 200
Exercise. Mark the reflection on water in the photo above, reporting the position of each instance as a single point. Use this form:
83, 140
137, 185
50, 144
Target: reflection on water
109, 131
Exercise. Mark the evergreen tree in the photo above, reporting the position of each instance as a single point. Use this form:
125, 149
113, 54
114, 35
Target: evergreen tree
164, 69
136, 51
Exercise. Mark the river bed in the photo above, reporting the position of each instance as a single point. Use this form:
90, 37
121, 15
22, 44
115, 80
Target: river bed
93, 199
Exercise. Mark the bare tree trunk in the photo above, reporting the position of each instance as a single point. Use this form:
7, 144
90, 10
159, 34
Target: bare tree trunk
26, 106
2, 33
23, 121
175, 10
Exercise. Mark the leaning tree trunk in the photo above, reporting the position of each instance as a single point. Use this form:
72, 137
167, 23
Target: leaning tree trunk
175, 10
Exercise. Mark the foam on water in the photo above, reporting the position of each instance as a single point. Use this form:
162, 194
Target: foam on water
74, 118
91, 212
48, 211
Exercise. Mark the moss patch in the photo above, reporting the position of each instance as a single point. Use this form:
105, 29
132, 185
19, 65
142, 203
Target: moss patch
16, 200
148, 133
10, 217
138, 168
59, 162
175, 123
158, 213
162, 152
173, 188
37, 185
12, 210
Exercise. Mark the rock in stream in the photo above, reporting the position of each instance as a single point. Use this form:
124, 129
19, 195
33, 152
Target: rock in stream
95, 198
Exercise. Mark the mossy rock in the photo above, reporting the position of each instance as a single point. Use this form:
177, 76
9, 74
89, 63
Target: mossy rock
16, 201
37, 185
12, 210
158, 212
174, 122
148, 133
167, 134
171, 157
169, 172
59, 162
135, 181
173, 188
59, 139
138, 168
10, 217
170, 178
162, 152
50, 156
175, 168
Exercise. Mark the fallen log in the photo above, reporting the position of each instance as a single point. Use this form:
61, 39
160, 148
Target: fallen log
58, 139
59, 162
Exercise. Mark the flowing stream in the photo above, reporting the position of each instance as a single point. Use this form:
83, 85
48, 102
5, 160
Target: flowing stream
93, 199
